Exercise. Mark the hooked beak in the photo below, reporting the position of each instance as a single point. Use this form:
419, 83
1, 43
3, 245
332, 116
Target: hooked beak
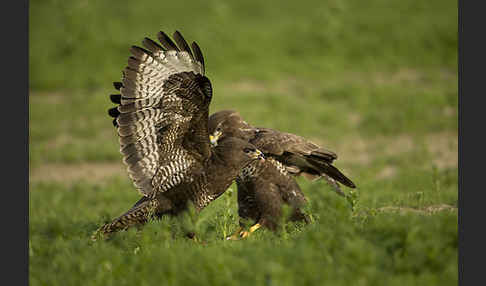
213, 140
258, 155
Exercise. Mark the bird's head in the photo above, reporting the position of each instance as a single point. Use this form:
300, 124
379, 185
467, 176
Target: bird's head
254, 153
227, 123
215, 136
237, 153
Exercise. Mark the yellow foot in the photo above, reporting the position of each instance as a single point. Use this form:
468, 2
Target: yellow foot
255, 227
240, 233
236, 235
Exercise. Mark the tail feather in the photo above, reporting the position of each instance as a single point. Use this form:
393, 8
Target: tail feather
137, 215
333, 172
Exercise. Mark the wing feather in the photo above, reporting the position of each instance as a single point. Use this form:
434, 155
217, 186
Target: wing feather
167, 42
117, 85
198, 55
299, 155
163, 97
181, 42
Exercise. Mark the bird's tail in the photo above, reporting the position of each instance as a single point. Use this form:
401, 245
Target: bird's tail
137, 215
326, 168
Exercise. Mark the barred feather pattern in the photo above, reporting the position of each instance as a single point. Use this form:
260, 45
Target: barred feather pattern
159, 98
262, 190
250, 171
175, 170
199, 193
247, 203
137, 216
253, 169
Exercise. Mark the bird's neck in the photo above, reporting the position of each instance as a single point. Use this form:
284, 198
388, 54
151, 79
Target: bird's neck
220, 173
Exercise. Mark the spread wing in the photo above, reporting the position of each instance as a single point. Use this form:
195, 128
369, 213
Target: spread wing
163, 104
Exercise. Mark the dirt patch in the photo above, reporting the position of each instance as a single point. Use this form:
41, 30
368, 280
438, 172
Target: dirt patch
403, 75
247, 86
59, 141
398, 145
49, 97
360, 150
449, 111
426, 211
65, 138
387, 172
356, 150
69, 173
444, 148
285, 87
354, 118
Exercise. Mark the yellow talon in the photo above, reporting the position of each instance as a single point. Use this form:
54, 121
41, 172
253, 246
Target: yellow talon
244, 234
235, 235
240, 233
255, 227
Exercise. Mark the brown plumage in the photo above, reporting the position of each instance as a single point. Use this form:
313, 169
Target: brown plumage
162, 123
207, 184
264, 187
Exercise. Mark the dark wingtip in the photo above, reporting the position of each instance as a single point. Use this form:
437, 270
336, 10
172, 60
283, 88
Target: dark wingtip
152, 45
136, 49
166, 41
115, 98
181, 42
113, 112
198, 54
117, 85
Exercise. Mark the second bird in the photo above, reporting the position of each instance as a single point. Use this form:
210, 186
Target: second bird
264, 187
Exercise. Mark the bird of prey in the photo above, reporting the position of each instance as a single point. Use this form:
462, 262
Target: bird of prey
263, 187
162, 122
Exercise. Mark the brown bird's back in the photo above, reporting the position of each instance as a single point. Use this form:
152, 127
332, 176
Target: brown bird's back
264, 188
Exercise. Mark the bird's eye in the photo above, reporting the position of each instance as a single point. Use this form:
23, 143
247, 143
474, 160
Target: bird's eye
218, 129
247, 150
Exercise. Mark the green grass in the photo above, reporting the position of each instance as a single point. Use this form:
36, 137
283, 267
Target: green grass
374, 81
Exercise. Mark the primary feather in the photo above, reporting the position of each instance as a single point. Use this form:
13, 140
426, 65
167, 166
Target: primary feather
163, 94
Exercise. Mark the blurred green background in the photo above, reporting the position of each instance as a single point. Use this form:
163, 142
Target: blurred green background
375, 81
